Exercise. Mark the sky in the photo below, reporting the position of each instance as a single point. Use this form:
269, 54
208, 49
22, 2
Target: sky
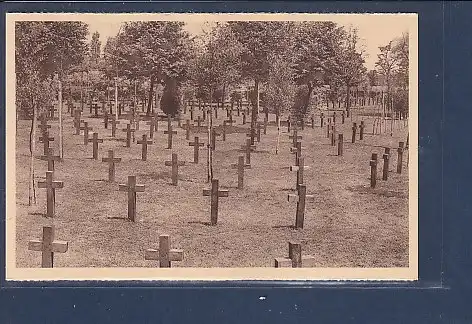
374, 29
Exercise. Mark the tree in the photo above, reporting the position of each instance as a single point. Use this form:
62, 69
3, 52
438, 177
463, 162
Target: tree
259, 40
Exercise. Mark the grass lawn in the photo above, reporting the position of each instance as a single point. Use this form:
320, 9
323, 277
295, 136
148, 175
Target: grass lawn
347, 225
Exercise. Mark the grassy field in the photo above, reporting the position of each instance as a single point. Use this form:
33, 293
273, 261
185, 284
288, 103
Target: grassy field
347, 225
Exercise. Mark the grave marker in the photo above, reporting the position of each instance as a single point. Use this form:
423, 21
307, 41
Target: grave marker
50, 157
295, 137
132, 188
165, 255
214, 134
128, 131
214, 194
77, 114
340, 144
86, 130
175, 163
48, 246
45, 139
295, 258
50, 185
361, 130
300, 199
322, 120
386, 158
170, 134
95, 140
196, 146
105, 118
299, 169
354, 130
297, 150
247, 149
111, 159
187, 129
373, 170
400, 157
240, 167
113, 122
144, 147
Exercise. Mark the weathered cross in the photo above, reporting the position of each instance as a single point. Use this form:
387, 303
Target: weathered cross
111, 164
214, 134
322, 120
50, 157
300, 199
95, 140
223, 137
144, 146
400, 156
165, 255
43, 126
214, 194
240, 166
248, 148
137, 120
361, 130
51, 187
86, 130
386, 158
199, 123
373, 170
196, 146
297, 150
340, 144
295, 258
187, 129
295, 137
175, 163
113, 123
77, 114
128, 131
45, 139
354, 130
48, 246
299, 169
132, 188
251, 134
169, 133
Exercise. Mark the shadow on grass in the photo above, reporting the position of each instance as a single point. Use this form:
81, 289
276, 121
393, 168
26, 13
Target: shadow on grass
284, 226
39, 214
200, 222
117, 217
378, 191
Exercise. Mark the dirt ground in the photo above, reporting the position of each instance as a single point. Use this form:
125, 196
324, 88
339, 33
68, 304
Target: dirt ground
347, 225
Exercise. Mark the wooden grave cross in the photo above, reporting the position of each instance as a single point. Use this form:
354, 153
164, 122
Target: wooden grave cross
199, 123
266, 121
373, 170
322, 120
165, 255
113, 123
240, 167
295, 137
86, 130
50, 185
214, 134
175, 163
51, 111
333, 135
48, 246
151, 127
340, 144
187, 129
137, 120
251, 134
106, 118
196, 147
77, 114
244, 118
248, 148
258, 132
50, 157
95, 140
361, 130
342, 117
297, 150
295, 258
386, 158
299, 169
354, 130
214, 194
44, 125
128, 131
144, 147
132, 188
111, 159
400, 157
301, 199
170, 134
45, 139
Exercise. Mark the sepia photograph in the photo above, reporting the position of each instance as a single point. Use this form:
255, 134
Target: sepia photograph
211, 146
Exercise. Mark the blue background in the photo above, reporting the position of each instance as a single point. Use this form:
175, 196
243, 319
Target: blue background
443, 293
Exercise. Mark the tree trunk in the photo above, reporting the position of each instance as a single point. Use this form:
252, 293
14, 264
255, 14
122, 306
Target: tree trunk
116, 99
306, 101
348, 99
151, 91
61, 146
209, 130
255, 108
278, 135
